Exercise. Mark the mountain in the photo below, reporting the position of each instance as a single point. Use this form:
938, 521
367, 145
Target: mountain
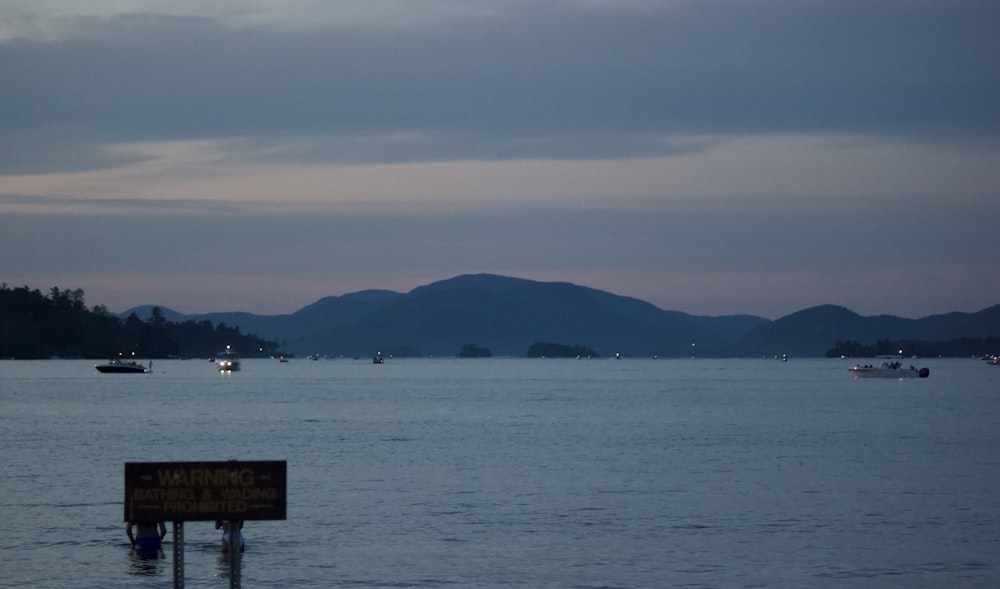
326, 313
507, 315
813, 331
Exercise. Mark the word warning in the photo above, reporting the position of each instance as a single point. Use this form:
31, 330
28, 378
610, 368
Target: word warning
205, 491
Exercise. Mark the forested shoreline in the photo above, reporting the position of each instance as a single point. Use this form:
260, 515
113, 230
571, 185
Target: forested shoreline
34, 325
956, 348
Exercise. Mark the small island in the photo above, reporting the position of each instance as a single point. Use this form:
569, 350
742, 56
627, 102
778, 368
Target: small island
551, 350
475, 351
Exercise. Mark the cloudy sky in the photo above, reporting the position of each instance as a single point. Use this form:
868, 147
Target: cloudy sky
708, 156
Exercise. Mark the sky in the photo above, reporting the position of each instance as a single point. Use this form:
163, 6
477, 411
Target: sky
713, 157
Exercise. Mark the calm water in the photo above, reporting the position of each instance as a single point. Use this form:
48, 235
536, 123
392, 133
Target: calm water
519, 473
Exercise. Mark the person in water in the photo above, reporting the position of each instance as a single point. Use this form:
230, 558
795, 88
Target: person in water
226, 534
147, 537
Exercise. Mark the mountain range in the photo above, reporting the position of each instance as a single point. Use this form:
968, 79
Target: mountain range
507, 315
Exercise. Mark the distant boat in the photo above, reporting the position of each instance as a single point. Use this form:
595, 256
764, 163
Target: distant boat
377, 358
227, 361
117, 366
889, 370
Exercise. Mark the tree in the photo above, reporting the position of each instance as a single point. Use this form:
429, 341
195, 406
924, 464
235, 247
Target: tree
474, 351
33, 325
552, 350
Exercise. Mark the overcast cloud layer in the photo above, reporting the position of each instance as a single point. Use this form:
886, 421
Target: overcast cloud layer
712, 156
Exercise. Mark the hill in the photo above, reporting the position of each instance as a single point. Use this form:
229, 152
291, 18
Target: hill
507, 315
813, 331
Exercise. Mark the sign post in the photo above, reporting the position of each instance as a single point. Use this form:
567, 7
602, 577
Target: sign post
178, 555
235, 547
230, 491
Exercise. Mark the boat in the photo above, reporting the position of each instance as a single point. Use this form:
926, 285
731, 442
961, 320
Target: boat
377, 358
889, 370
227, 361
118, 366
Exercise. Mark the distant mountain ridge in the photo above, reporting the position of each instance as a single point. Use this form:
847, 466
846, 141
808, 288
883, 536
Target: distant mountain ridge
813, 331
507, 315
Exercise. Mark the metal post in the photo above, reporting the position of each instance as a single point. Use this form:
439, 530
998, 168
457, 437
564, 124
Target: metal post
234, 554
179, 555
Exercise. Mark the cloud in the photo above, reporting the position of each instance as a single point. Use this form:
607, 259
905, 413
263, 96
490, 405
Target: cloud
724, 156
546, 80
55, 20
705, 173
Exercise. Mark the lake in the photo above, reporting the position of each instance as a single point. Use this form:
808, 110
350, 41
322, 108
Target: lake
519, 473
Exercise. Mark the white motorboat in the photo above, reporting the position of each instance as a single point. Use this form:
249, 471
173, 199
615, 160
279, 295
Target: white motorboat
227, 361
889, 370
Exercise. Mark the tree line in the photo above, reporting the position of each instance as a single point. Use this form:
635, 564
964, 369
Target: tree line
554, 350
537, 350
956, 348
34, 325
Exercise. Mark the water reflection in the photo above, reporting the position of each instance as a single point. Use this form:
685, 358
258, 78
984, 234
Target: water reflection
145, 563
224, 564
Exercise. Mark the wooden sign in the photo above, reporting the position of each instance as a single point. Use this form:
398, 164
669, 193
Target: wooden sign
205, 491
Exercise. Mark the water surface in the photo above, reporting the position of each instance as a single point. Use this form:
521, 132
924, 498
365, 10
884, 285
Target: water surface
519, 473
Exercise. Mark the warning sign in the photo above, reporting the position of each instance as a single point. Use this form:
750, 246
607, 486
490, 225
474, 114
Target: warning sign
205, 491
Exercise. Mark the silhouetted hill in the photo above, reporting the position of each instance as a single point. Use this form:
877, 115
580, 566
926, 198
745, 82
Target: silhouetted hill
325, 314
507, 315
813, 331
144, 311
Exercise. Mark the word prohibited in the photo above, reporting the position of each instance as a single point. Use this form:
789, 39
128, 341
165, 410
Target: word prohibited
205, 491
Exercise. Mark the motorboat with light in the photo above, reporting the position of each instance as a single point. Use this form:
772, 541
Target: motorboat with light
227, 361
889, 370
119, 366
